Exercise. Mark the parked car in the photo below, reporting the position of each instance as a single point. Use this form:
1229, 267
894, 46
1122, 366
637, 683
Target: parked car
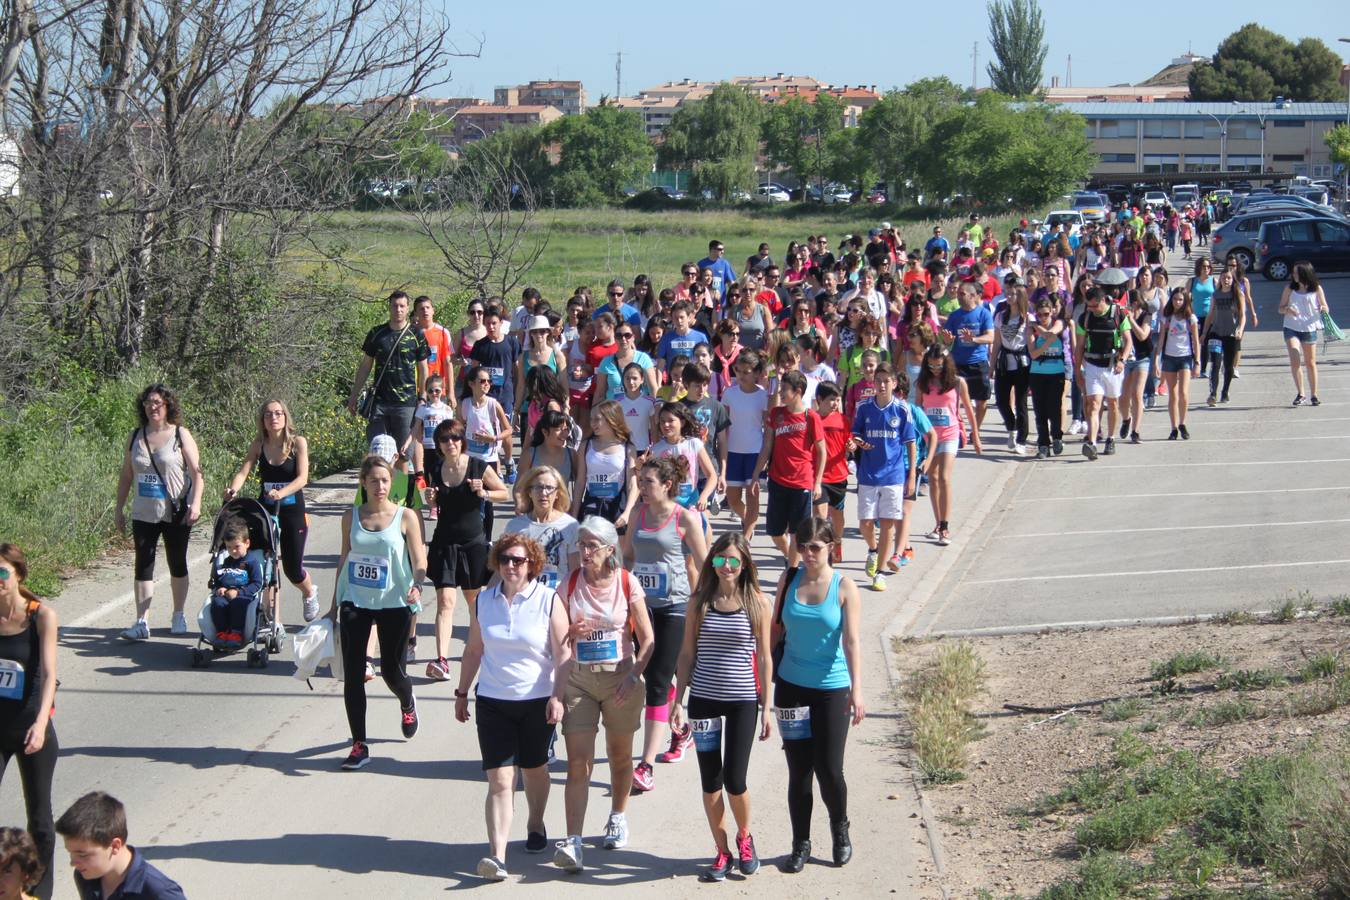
1183, 196
1322, 241
1255, 201
1071, 219
1093, 206
668, 192
1237, 238
772, 193
1156, 199
1116, 193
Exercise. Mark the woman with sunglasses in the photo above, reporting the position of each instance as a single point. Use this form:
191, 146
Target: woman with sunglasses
664, 547
728, 350
612, 366
486, 425
1178, 347
457, 555
726, 667
519, 651
1201, 287
473, 331
539, 351
943, 396
1234, 265
846, 332
749, 315
607, 610
819, 690
1045, 377
543, 502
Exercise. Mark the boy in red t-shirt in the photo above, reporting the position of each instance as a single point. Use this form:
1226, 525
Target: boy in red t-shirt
794, 454
834, 481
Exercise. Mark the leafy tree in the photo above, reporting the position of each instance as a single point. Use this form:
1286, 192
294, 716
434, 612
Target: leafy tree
894, 129
717, 138
1338, 141
851, 162
599, 153
1255, 63
1017, 33
798, 134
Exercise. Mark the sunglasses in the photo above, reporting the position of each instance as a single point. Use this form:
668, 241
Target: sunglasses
690, 272
512, 560
5, 574
482, 381
814, 547
625, 335
619, 294
475, 312
731, 562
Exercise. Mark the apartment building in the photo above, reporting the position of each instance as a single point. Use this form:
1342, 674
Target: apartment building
568, 97
472, 123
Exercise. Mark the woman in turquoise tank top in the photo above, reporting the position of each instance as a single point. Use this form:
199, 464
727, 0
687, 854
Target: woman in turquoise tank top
819, 688
379, 585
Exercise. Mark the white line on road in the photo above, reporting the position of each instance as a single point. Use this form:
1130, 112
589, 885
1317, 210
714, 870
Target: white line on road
1338, 487
1045, 534
109, 606
1219, 421
1176, 465
1312, 437
1286, 565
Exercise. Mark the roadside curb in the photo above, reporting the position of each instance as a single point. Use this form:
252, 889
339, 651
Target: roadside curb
1099, 625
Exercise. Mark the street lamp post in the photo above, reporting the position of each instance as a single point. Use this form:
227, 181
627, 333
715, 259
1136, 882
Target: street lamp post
1223, 140
1345, 169
1260, 120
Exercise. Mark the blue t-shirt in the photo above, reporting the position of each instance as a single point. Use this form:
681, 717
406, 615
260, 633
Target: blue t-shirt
723, 275
888, 429
626, 313
922, 425
980, 321
1202, 294
609, 370
673, 345
939, 242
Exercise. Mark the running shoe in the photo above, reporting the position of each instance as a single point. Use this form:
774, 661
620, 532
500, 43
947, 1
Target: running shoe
878, 582
179, 624
1134, 437
1185, 435
1042, 452
679, 742
412, 650
871, 567
719, 868
644, 779
409, 719
1211, 400
1173, 435
139, 631
1298, 399
745, 850
1148, 402
1019, 450
934, 534
311, 605
536, 842
796, 861
944, 538
1124, 429
1314, 401
1012, 441
370, 672
616, 832
358, 758
492, 869
1059, 446
894, 563
1089, 451
439, 669
568, 853
510, 474
907, 557
1109, 448
1236, 373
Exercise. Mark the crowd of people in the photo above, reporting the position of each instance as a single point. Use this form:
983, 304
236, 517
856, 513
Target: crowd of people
636, 439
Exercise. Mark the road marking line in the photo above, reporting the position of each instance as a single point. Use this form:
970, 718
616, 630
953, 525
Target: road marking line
1046, 534
1175, 465
104, 609
1267, 421
1286, 565
1339, 487
1313, 437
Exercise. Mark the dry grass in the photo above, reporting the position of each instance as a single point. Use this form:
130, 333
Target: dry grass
939, 696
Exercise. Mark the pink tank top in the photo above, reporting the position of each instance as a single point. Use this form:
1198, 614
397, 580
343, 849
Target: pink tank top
940, 407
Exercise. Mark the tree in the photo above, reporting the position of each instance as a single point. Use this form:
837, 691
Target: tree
1255, 63
717, 138
850, 161
599, 154
1338, 142
1017, 34
895, 129
798, 135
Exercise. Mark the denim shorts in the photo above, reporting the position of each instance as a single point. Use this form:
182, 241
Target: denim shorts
1177, 363
1303, 337
1134, 365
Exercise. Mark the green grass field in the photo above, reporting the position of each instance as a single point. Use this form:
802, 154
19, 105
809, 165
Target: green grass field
591, 246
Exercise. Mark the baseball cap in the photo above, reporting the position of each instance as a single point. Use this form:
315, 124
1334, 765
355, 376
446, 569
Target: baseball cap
885, 226
873, 233
1024, 223
383, 446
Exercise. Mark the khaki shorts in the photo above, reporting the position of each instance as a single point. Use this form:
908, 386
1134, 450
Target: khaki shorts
590, 697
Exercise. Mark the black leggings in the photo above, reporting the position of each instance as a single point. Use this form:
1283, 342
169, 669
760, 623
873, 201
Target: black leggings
668, 630
1007, 384
145, 535
821, 755
1047, 399
1227, 354
35, 772
392, 627
728, 763
294, 527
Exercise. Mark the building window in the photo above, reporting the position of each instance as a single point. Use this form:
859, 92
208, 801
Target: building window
1288, 157
1240, 163
1162, 128
1127, 158
1202, 162
1244, 131
1161, 162
1206, 129
1288, 123
1118, 128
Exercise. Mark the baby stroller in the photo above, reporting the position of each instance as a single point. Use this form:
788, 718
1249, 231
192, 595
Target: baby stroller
262, 636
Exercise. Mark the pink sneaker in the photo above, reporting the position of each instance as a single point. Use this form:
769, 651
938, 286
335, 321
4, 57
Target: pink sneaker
679, 742
643, 778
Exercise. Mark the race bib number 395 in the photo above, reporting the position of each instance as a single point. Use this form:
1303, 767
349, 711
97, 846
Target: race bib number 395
368, 571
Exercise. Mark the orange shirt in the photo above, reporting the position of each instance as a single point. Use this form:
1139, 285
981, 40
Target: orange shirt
438, 363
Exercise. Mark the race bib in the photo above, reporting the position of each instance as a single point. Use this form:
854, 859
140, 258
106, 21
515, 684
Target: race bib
602, 487
601, 646
938, 415
479, 448
368, 571
549, 577
688, 494
654, 578
1215, 345
498, 376
150, 486
11, 680
435, 354
288, 500
707, 734
794, 724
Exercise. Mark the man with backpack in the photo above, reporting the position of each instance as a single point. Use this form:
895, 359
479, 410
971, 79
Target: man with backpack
1101, 344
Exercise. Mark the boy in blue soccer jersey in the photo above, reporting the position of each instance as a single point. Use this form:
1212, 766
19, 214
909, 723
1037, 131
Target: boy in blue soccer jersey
883, 430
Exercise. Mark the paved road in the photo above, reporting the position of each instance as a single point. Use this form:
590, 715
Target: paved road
1251, 509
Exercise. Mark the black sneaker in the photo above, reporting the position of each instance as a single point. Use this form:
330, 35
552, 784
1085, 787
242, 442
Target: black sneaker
1223, 398
843, 847
1124, 429
719, 868
1173, 435
536, 842
1042, 452
1185, 435
358, 758
1109, 448
1314, 401
1058, 446
1089, 451
745, 850
409, 720
796, 861
1134, 437
1298, 399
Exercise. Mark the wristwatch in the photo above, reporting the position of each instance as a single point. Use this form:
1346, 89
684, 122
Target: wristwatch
463, 695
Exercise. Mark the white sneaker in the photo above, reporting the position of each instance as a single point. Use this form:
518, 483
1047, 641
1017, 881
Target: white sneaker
1012, 441
490, 868
140, 631
616, 832
568, 854
1019, 449
179, 625
312, 605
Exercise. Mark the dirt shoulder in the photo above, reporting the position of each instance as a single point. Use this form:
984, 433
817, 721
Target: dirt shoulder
1162, 787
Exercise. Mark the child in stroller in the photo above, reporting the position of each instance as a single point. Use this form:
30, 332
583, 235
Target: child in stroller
238, 577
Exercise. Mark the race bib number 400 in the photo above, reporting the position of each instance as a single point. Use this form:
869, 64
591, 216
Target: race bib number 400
654, 579
795, 723
368, 571
11, 679
707, 734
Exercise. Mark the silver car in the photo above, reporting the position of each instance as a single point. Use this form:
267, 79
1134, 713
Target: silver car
1238, 237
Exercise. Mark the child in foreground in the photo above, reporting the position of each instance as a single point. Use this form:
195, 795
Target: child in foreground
20, 865
95, 833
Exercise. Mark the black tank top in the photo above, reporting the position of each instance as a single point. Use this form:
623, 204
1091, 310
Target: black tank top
460, 510
274, 476
20, 677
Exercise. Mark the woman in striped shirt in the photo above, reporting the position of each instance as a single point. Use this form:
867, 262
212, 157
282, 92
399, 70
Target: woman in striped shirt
725, 664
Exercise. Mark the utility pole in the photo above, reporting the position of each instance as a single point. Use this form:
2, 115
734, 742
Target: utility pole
618, 75
974, 64
1068, 71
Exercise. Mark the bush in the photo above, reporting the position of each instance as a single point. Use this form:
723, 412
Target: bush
939, 697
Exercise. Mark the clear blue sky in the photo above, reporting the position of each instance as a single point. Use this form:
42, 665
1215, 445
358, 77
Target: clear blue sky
532, 39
